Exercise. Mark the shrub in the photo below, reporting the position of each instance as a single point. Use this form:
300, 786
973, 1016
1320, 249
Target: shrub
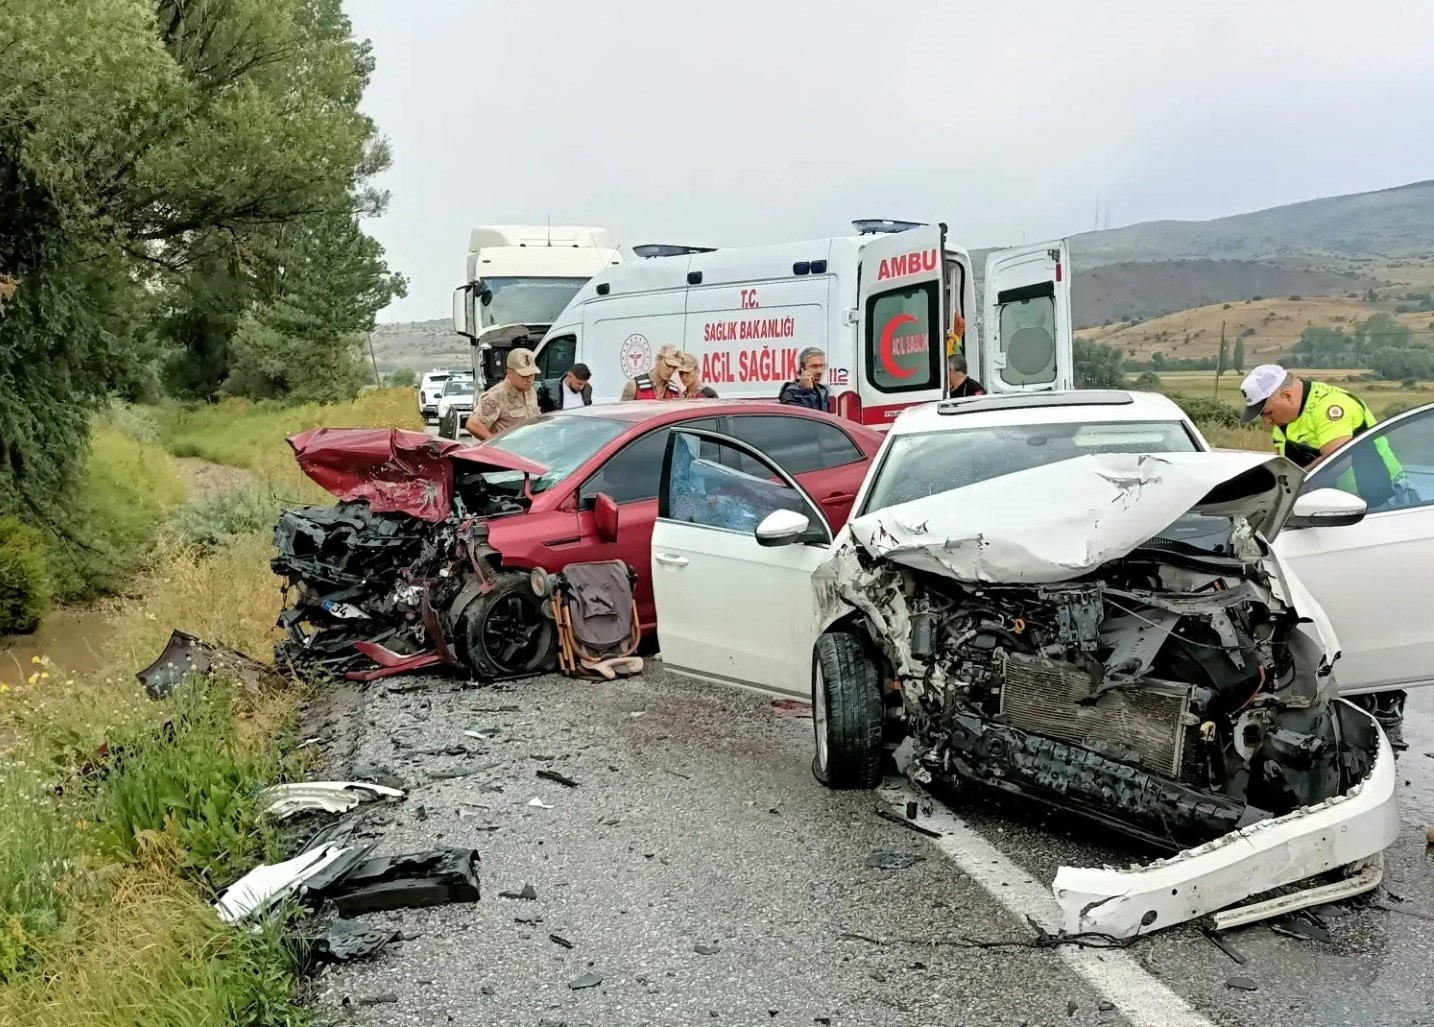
1208, 412
24, 582
1148, 380
35, 853
217, 519
188, 788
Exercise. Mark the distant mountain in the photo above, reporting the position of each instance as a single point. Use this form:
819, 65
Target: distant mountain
419, 346
1388, 223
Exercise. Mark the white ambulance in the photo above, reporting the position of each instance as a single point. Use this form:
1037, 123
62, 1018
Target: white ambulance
881, 304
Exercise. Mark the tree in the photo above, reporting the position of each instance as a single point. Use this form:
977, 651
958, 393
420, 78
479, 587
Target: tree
1237, 362
403, 378
1098, 365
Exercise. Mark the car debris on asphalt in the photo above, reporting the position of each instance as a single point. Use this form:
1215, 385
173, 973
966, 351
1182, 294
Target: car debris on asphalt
285, 800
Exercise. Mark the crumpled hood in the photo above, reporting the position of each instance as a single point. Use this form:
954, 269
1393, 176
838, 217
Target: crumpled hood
393, 470
1062, 520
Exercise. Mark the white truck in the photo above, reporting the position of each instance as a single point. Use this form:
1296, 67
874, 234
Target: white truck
881, 303
519, 278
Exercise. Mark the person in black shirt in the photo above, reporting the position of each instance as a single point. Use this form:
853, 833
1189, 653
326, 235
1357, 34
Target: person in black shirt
959, 383
808, 390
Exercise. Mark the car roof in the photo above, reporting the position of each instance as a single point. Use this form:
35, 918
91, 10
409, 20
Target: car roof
1064, 407
641, 410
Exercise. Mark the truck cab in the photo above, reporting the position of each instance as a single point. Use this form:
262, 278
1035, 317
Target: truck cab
519, 278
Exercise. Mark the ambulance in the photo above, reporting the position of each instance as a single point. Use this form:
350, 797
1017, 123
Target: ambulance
886, 305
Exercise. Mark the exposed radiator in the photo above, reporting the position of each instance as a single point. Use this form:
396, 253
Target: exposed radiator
1043, 697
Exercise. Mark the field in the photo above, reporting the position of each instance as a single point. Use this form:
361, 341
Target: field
106, 878
1275, 325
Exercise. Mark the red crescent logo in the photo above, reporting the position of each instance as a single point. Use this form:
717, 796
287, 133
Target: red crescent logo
888, 359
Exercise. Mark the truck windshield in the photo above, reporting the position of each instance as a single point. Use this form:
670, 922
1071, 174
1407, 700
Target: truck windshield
530, 301
921, 465
562, 443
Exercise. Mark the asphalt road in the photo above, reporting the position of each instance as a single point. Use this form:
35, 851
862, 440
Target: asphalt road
703, 874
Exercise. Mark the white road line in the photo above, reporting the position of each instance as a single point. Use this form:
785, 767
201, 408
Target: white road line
1114, 973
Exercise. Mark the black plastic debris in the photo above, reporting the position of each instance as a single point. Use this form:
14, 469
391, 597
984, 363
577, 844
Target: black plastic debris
186, 654
1105, 1007
558, 939
706, 950
402, 882
1242, 984
1302, 928
1224, 946
886, 814
562, 779
881, 860
1071, 1008
346, 940
528, 892
588, 980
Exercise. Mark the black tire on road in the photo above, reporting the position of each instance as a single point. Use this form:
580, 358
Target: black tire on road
847, 714
504, 634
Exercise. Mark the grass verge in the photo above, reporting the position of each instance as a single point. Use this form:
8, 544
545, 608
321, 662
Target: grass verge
105, 886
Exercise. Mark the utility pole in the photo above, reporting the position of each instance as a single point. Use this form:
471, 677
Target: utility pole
377, 381
1220, 360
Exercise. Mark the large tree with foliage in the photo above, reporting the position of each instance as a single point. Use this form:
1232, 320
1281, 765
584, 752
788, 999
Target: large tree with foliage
1098, 365
152, 157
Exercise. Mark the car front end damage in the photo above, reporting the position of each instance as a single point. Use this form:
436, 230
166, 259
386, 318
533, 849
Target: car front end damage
389, 580
1133, 653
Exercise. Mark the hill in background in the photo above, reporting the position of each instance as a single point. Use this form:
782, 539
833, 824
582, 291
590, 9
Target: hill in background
1282, 269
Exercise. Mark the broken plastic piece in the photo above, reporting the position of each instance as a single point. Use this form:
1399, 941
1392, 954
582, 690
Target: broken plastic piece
281, 801
268, 884
539, 803
405, 882
529, 892
562, 779
186, 654
346, 940
587, 980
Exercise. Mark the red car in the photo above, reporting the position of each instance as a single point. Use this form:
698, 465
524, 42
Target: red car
573, 486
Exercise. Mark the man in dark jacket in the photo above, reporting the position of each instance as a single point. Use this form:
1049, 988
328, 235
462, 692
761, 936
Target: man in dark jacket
807, 390
571, 390
959, 383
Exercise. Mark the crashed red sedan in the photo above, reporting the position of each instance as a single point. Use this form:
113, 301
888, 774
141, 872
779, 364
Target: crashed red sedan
426, 561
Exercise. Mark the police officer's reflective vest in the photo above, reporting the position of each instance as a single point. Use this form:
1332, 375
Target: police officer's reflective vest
646, 388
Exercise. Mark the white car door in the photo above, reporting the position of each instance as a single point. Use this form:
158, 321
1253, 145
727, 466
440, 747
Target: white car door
1028, 340
730, 609
1375, 579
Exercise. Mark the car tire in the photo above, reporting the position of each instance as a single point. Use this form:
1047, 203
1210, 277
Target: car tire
847, 714
448, 425
504, 633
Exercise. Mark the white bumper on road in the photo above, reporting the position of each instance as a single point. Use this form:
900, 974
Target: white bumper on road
1271, 854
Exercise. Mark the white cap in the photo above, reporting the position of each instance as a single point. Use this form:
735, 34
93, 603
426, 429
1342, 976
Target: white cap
1259, 385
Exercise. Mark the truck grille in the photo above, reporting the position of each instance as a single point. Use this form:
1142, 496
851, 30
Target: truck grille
1043, 697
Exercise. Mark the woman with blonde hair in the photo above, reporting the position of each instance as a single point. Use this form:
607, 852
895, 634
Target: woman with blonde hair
691, 376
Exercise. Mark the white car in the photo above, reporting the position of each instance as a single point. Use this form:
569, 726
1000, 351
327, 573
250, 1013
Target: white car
1068, 495
457, 395
430, 391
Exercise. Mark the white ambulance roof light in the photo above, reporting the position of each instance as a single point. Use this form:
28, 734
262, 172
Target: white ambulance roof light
660, 249
884, 226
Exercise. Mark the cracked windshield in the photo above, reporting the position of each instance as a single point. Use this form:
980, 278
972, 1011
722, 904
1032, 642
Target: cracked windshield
576, 514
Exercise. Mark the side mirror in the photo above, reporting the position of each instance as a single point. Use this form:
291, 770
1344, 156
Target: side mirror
782, 528
605, 516
1326, 508
460, 312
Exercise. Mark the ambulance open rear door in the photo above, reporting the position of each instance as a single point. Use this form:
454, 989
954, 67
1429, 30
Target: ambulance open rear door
1027, 339
901, 330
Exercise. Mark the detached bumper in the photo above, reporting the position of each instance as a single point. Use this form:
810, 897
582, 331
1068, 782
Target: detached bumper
1342, 830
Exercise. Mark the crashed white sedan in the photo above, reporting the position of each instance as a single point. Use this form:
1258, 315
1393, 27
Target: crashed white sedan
1077, 605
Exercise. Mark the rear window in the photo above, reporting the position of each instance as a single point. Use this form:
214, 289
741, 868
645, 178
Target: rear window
1028, 334
901, 355
917, 466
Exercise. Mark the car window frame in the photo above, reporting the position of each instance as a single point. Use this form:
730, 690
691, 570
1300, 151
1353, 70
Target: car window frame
1323, 476
858, 454
815, 514
585, 501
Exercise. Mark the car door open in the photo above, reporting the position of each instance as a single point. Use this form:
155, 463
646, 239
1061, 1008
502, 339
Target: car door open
733, 606
1027, 343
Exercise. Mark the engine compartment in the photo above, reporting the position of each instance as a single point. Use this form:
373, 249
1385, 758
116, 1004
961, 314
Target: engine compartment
1169, 694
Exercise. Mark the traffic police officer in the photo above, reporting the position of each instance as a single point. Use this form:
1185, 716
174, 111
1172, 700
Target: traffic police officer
1310, 421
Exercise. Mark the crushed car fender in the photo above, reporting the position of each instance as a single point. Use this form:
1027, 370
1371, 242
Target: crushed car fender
285, 800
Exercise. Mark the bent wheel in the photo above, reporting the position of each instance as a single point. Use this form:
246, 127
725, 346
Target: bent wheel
504, 634
847, 713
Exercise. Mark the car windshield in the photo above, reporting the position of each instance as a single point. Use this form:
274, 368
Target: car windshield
560, 442
531, 301
457, 386
921, 465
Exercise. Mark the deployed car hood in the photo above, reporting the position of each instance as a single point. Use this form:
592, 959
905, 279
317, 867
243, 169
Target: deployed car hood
1062, 520
393, 470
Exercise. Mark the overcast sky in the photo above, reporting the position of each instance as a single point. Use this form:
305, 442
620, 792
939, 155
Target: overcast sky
739, 122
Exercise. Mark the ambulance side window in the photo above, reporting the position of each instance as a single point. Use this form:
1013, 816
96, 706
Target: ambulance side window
557, 356
901, 354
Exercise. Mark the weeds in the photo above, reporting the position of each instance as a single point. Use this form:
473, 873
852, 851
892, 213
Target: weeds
36, 854
214, 520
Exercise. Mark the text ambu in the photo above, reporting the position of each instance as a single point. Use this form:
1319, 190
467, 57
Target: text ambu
750, 365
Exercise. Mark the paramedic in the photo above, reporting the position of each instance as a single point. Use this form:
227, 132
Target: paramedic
511, 402
808, 390
662, 382
573, 389
1310, 421
959, 383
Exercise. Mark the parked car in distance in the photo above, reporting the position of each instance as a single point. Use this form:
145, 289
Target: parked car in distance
455, 404
572, 486
430, 391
